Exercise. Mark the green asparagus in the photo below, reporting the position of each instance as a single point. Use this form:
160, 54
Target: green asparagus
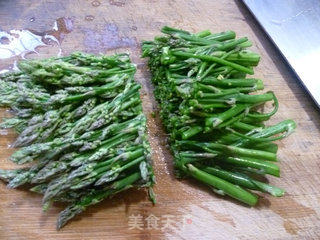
81, 126
210, 111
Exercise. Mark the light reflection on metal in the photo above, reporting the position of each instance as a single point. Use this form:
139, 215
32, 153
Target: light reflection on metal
294, 28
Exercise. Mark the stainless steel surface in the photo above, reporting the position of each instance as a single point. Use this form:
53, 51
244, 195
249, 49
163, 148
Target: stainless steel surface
294, 27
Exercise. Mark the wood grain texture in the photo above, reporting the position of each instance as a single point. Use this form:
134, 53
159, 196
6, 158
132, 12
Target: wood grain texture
120, 25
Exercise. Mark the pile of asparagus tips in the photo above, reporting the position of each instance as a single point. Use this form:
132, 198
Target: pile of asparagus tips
216, 130
81, 128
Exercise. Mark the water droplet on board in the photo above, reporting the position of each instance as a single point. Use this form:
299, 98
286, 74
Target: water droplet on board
32, 19
4, 71
18, 42
15, 65
21, 42
119, 3
4, 40
89, 18
12, 67
95, 3
3, 132
55, 26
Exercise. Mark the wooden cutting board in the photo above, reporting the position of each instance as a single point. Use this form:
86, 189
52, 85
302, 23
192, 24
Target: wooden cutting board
184, 209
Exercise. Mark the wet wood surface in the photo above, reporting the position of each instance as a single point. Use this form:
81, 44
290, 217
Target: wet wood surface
185, 209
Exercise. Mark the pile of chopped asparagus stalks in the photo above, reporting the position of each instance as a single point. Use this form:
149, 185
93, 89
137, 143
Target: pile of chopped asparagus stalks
82, 131
211, 111
81, 126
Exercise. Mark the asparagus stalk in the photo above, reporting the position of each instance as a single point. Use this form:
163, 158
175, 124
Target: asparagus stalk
210, 110
81, 127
